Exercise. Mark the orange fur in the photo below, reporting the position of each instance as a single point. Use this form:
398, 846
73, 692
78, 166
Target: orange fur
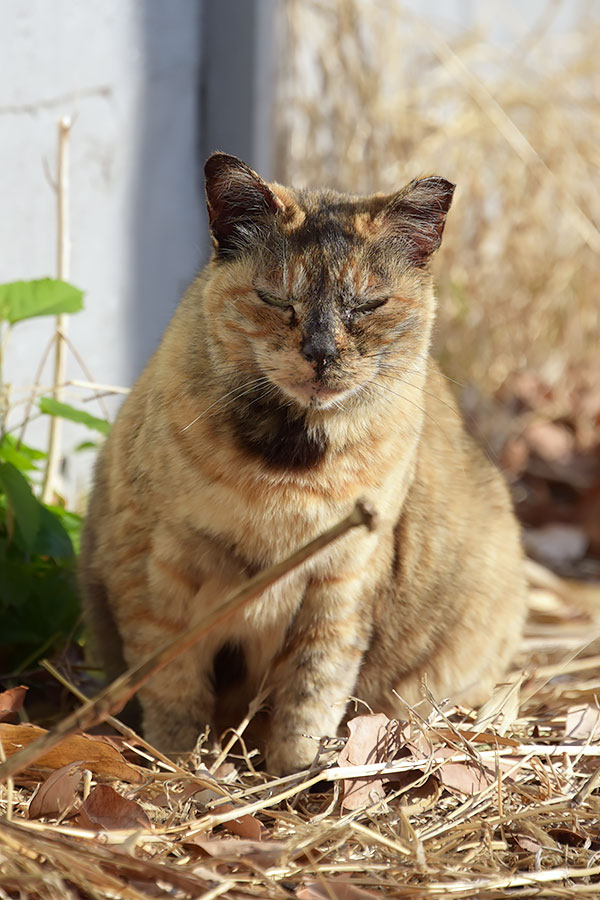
294, 378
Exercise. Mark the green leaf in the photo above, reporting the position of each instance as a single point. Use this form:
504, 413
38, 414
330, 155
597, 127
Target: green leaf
72, 523
86, 445
52, 537
55, 408
44, 297
26, 508
40, 608
20, 455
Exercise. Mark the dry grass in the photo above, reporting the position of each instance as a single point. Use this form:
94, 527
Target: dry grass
519, 808
475, 807
372, 96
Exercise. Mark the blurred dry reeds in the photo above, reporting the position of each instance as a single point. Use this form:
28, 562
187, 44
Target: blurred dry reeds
372, 95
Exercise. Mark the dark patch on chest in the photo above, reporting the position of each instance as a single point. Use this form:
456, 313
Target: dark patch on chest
277, 436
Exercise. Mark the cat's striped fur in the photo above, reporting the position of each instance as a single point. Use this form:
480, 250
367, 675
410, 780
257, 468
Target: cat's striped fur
294, 378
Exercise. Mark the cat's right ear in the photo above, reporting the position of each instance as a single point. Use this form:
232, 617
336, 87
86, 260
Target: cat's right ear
239, 202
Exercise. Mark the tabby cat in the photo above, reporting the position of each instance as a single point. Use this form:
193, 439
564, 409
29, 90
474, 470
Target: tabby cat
294, 378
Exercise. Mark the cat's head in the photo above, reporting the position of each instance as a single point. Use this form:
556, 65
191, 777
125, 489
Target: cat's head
320, 294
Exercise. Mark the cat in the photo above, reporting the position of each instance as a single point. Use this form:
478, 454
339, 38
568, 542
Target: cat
295, 377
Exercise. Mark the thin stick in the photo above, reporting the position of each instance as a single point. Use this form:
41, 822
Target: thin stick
589, 785
9, 788
105, 388
81, 361
62, 271
35, 388
114, 697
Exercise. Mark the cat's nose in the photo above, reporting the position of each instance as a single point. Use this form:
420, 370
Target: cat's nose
321, 349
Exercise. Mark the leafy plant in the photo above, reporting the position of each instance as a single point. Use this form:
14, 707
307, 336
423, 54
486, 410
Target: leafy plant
39, 604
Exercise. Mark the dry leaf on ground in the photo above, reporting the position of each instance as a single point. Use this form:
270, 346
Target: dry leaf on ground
58, 791
570, 838
184, 793
583, 721
105, 808
531, 837
422, 797
466, 778
245, 826
11, 702
372, 739
550, 440
97, 755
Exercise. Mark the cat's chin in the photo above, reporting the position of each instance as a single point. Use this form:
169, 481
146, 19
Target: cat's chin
316, 396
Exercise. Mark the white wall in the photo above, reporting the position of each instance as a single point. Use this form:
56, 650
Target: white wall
128, 72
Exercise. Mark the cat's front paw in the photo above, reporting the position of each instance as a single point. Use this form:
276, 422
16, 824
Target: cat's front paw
290, 755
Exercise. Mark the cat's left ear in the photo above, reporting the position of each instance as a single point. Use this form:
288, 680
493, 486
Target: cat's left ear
418, 213
239, 202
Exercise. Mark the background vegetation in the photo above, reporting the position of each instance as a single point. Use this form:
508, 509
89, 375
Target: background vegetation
372, 96
39, 604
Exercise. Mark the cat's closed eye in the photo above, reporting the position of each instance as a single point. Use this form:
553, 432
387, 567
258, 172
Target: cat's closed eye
368, 307
270, 300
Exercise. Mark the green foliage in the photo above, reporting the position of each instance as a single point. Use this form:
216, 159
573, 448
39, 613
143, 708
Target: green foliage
38, 592
45, 297
39, 603
55, 408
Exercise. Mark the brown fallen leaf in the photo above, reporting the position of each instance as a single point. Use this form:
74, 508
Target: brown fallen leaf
11, 702
569, 838
225, 772
463, 777
531, 837
245, 826
527, 843
97, 755
372, 739
105, 808
423, 797
583, 722
340, 889
184, 793
58, 791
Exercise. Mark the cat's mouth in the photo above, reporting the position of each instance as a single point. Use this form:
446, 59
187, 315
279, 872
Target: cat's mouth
316, 394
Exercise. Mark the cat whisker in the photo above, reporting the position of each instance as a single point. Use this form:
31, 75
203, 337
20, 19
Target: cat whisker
421, 409
421, 361
248, 384
421, 390
436, 372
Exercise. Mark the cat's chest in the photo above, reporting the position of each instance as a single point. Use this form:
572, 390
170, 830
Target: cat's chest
268, 512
